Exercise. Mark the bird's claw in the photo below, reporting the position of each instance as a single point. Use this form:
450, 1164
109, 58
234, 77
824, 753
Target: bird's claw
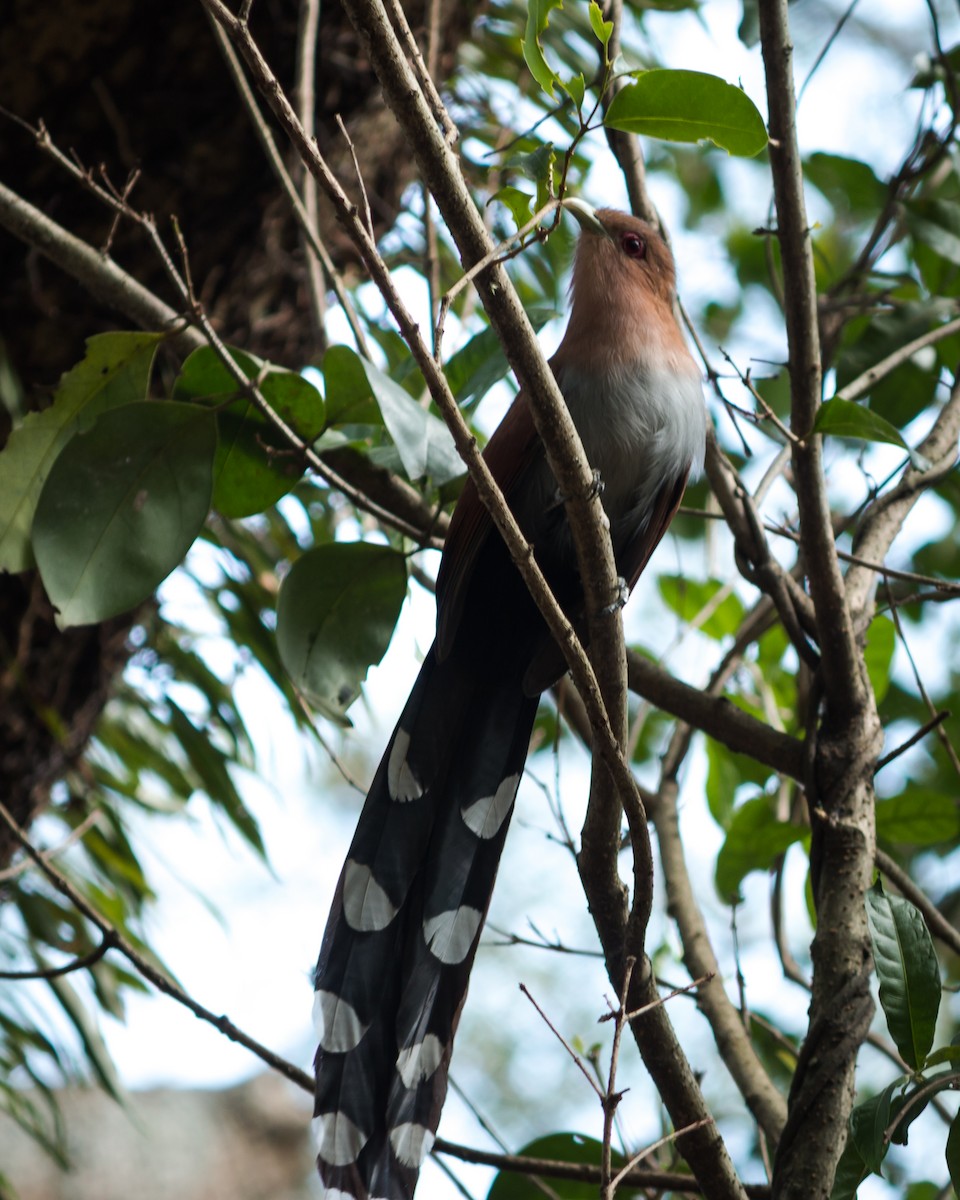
623, 595
595, 489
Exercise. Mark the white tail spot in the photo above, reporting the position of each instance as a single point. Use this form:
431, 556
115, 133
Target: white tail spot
366, 905
411, 1143
418, 1062
401, 782
450, 934
337, 1139
485, 816
338, 1026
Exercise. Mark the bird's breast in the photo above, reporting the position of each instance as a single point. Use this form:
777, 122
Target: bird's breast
641, 427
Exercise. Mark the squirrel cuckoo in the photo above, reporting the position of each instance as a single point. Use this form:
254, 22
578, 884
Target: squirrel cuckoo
411, 900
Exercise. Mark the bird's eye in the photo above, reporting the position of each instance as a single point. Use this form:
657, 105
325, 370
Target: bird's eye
633, 245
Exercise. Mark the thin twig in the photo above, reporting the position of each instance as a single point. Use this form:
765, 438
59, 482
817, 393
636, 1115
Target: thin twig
107, 942
305, 92
563, 1042
146, 968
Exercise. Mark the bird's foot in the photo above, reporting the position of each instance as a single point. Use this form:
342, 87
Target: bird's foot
596, 489
623, 595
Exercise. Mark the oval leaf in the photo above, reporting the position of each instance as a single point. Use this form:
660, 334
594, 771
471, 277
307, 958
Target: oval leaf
847, 418
919, 817
867, 1124
689, 106
335, 616
121, 508
255, 464
908, 973
953, 1153
561, 1148
755, 839
115, 370
424, 443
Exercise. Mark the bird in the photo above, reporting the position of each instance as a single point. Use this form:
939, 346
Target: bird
407, 913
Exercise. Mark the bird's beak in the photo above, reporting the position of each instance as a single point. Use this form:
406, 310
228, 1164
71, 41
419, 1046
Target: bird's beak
586, 216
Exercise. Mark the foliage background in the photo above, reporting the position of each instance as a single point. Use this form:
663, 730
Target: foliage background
234, 773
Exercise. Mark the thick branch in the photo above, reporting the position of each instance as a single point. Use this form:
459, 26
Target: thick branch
716, 716
842, 667
733, 1041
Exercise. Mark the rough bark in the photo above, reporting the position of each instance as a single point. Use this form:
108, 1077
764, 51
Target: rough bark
140, 83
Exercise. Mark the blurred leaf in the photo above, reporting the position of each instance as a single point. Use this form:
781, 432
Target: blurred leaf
689, 106
481, 363
86, 1027
755, 840
918, 817
953, 1153
212, 769
115, 370
337, 610
556, 1147
688, 598
907, 969
603, 30
878, 649
121, 507
909, 389
936, 224
748, 30
849, 184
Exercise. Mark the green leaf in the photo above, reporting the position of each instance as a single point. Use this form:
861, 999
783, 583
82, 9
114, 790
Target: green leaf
936, 224
98, 1056
121, 507
211, 767
255, 464
519, 204
953, 1153
689, 106
878, 651
349, 395
481, 363
688, 598
918, 817
558, 1147
602, 30
907, 970
336, 613
847, 418
867, 1124
754, 841
538, 17
424, 443
748, 30
576, 89
115, 370
537, 165
906, 392
848, 183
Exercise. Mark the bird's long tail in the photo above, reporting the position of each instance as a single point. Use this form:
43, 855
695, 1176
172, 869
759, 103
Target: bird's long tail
405, 922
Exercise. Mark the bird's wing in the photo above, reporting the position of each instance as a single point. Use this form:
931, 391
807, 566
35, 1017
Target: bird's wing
509, 454
636, 553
